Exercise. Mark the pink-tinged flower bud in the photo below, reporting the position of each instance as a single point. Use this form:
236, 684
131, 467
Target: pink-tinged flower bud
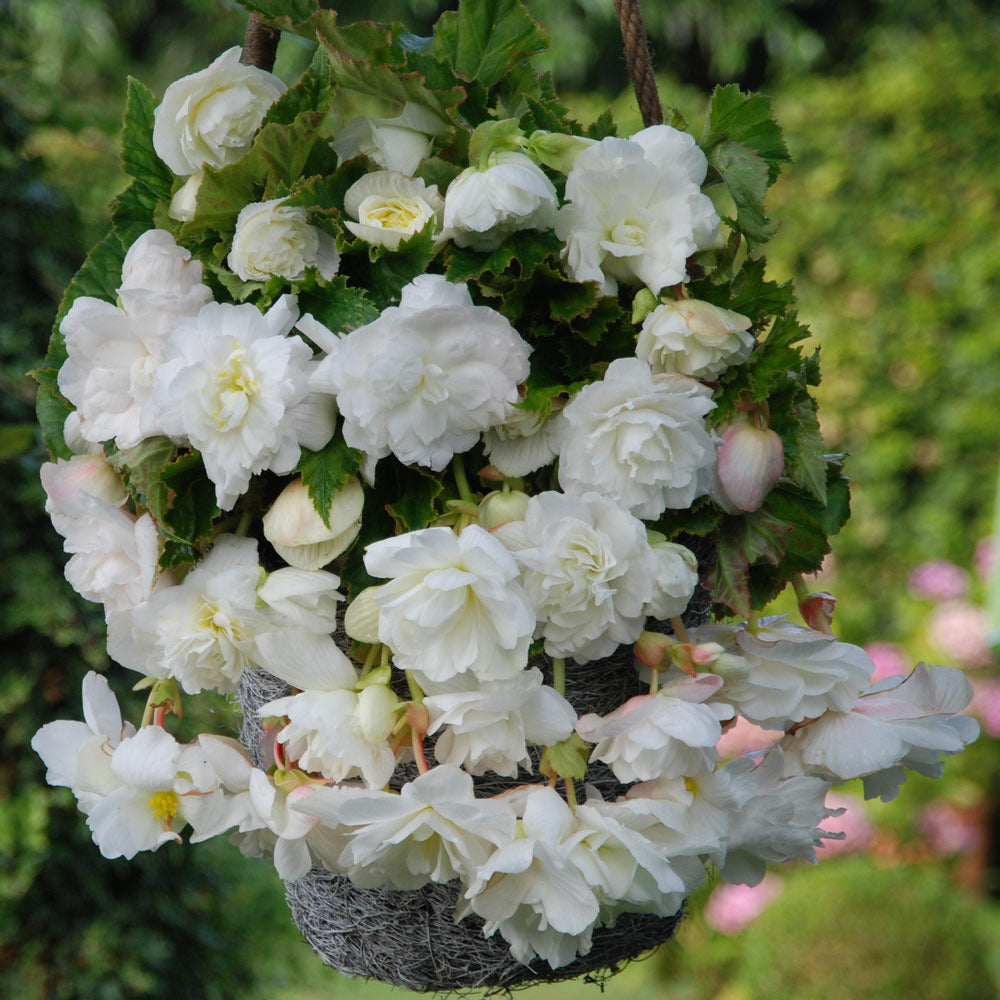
652, 650
498, 508
817, 611
64, 480
750, 461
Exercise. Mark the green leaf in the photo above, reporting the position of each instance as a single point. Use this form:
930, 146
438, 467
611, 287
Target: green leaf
743, 541
132, 212
434, 170
138, 156
325, 472
602, 127
393, 269
192, 506
52, 409
415, 508
313, 92
746, 119
484, 37
340, 307
522, 252
805, 459
297, 11
566, 759
142, 467
699, 519
746, 176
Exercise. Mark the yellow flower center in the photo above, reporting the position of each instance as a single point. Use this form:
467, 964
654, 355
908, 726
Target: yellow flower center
233, 389
401, 214
164, 805
691, 785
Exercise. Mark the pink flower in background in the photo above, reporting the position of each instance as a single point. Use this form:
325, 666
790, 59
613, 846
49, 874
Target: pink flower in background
744, 737
731, 907
959, 629
939, 580
853, 822
889, 660
986, 704
949, 830
985, 557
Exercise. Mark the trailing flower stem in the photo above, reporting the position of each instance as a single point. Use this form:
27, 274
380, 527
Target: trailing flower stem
461, 481
559, 674
679, 629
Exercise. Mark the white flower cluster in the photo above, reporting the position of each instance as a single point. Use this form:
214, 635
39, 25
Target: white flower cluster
453, 620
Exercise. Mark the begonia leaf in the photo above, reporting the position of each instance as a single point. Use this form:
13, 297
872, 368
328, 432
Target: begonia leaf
392, 269
132, 212
52, 409
296, 11
699, 519
325, 472
602, 127
522, 251
339, 307
746, 119
566, 759
805, 458
138, 156
745, 174
142, 467
313, 92
484, 37
417, 492
434, 170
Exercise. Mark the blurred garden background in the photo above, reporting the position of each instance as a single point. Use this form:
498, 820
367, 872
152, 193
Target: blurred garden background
891, 230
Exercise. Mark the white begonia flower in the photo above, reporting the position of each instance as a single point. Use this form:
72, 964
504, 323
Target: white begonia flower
231, 384
635, 210
524, 442
138, 814
299, 535
202, 631
772, 818
224, 781
669, 734
489, 727
209, 118
629, 872
70, 484
394, 143
587, 569
638, 439
435, 830
275, 239
453, 604
113, 353
426, 378
361, 617
675, 580
899, 723
531, 891
332, 728
78, 754
485, 205
305, 599
184, 203
694, 338
389, 207
795, 673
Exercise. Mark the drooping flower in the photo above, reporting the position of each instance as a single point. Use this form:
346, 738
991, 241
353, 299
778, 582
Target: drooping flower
113, 353
275, 239
453, 604
639, 440
635, 211
587, 569
209, 118
426, 378
390, 207
486, 204
676, 578
524, 442
750, 461
669, 734
231, 384
693, 338
489, 726
398, 143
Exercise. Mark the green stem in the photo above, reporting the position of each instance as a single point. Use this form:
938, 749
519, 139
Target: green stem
458, 470
559, 674
654, 681
679, 630
570, 792
244, 526
800, 588
415, 693
370, 658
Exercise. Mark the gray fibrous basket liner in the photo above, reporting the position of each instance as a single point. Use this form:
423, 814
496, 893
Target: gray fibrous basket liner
410, 938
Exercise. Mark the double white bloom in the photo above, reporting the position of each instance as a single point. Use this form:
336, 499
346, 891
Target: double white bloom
426, 378
390, 206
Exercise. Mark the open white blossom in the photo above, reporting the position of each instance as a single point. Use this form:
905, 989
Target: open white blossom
434, 830
795, 673
639, 440
485, 205
900, 723
209, 118
70, 484
390, 207
426, 378
275, 239
489, 726
587, 569
200, 632
302, 598
453, 603
113, 352
230, 385
693, 338
524, 442
669, 734
676, 578
398, 143
532, 892
635, 210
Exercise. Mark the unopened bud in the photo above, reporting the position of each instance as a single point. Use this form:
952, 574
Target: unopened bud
498, 508
376, 712
817, 611
750, 462
361, 617
653, 650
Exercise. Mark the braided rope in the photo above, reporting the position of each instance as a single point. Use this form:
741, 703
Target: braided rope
637, 59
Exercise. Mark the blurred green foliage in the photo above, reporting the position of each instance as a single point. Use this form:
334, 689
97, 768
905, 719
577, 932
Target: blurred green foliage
889, 228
